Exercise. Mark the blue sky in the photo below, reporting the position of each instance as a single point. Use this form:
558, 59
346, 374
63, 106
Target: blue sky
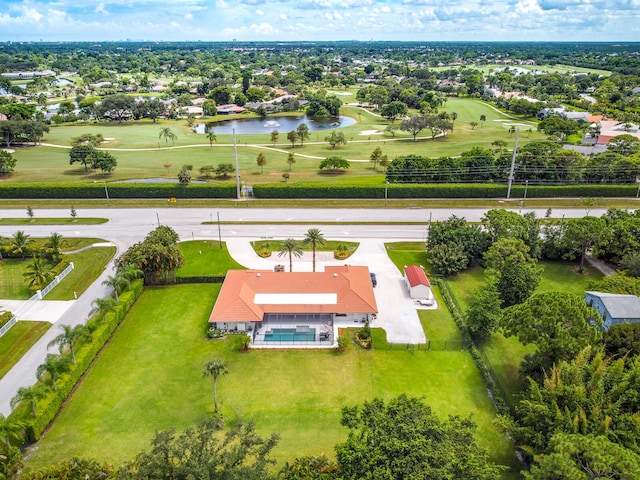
291, 20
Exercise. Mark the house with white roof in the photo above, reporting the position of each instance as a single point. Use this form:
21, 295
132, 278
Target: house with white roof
614, 308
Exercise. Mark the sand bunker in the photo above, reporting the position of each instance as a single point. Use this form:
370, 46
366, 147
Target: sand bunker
370, 132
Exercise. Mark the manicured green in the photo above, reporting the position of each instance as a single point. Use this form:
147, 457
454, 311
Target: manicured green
438, 325
205, 258
12, 284
150, 378
53, 221
407, 253
89, 264
17, 341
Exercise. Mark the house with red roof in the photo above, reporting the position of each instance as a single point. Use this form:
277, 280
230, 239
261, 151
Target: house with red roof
417, 283
294, 308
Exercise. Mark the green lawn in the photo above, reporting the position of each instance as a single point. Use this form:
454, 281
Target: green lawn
438, 325
52, 221
17, 341
149, 377
407, 253
12, 284
205, 258
88, 265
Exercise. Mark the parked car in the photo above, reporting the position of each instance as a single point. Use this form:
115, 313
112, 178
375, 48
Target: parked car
374, 281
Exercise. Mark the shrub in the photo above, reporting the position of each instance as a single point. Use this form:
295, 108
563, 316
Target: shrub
5, 318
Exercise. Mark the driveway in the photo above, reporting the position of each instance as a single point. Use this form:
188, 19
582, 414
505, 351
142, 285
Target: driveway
397, 312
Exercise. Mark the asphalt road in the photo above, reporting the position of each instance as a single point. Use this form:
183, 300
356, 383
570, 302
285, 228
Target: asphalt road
128, 226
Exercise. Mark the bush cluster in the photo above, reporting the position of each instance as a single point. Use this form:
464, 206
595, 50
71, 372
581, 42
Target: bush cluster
85, 354
117, 190
441, 190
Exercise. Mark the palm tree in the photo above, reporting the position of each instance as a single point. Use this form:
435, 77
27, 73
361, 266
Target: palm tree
215, 369
54, 243
70, 336
38, 273
290, 247
117, 283
212, 137
104, 306
54, 365
11, 429
20, 244
130, 272
314, 237
167, 134
31, 394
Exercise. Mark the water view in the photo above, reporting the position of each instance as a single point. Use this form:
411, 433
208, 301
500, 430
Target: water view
268, 124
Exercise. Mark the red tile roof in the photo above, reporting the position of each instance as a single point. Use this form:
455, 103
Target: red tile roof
416, 276
350, 284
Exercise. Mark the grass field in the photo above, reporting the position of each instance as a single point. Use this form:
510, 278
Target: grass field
149, 378
140, 155
17, 341
407, 253
52, 221
205, 257
12, 284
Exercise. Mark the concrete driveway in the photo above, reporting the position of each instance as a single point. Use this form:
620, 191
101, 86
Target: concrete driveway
397, 312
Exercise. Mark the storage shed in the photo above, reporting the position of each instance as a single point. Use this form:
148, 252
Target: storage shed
417, 282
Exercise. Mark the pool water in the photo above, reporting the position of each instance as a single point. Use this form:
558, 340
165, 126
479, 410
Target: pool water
290, 335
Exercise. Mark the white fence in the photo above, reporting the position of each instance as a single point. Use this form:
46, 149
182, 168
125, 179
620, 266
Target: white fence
39, 295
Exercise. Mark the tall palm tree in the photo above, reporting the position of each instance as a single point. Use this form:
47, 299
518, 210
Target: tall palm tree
117, 282
70, 336
290, 247
38, 273
20, 244
11, 429
212, 138
54, 365
314, 237
104, 306
30, 394
167, 134
215, 369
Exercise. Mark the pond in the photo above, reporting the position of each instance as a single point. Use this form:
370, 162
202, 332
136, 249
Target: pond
268, 124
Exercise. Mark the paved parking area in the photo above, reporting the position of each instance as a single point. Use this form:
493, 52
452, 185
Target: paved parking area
42, 310
397, 313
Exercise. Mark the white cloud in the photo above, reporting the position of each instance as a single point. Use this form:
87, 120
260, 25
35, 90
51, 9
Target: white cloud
188, 16
263, 29
100, 9
386, 9
283, 16
221, 4
259, 12
528, 6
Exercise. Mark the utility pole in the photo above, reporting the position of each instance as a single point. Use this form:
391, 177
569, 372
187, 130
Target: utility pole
513, 164
235, 156
219, 234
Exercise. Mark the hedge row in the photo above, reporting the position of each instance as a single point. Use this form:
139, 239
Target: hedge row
458, 190
5, 318
310, 190
117, 190
101, 331
496, 394
200, 279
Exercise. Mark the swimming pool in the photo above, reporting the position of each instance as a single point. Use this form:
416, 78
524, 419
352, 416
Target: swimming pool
290, 335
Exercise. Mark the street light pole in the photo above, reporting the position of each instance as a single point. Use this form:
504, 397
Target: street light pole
386, 190
106, 191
